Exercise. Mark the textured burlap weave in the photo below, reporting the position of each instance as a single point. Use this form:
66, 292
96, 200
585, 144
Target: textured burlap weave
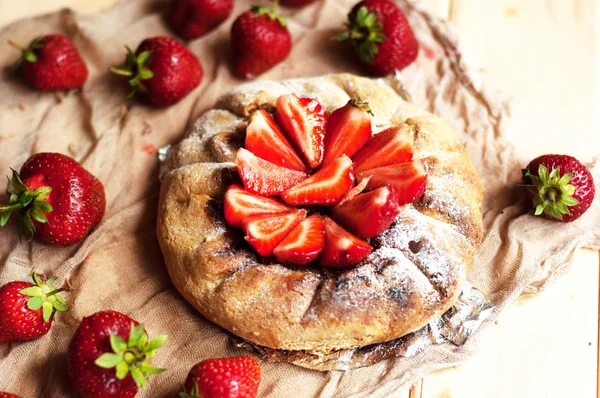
119, 266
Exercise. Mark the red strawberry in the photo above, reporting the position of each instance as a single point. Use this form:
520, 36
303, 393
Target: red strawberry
326, 187
303, 120
296, 3
265, 231
370, 213
559, 187
382, 38
108, 356
60, 202
195, 18
355, 191
342, 249
265, 140
8, 395
223, 377
391, 146
52, 63
162, 71
348, 130
27, 310
259, 41
407, 179
265, 178
241, 204
304, 244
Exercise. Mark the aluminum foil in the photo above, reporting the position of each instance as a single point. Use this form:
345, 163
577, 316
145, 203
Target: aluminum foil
455, 326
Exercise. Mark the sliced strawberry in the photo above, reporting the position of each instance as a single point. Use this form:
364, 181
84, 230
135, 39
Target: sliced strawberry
265, 178
370, 213
304, 244
326, 187
342, 249
391, 146
348, 130
265, 231
407, 179
357, 190
240, 204
265, 140
303, 120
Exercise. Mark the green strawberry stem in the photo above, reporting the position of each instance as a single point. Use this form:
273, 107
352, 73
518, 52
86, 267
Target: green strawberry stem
270, 12
195, 393
32, 204
44, 297
27, 54
360, 104
136, 68
130, 357
552, 193
365, 31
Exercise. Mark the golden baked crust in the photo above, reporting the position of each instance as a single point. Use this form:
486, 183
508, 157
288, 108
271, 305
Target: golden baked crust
415, 272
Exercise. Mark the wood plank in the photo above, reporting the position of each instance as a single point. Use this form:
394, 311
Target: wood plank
543, 347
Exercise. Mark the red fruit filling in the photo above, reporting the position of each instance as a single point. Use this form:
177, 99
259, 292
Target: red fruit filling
303, 156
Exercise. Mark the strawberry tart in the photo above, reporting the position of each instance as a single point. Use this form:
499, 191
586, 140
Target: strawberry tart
319, 214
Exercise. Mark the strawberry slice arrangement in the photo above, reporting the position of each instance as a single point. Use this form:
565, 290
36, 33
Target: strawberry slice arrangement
338, 183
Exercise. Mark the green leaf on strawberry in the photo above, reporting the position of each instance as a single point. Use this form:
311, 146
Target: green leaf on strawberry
130, 357
367, 31
552, 193
22, 198
135, 67
44, 296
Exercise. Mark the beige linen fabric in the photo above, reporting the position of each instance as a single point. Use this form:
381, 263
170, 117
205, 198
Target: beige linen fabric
119, 266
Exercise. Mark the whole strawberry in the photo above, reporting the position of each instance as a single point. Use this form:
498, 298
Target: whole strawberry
162, 71
52, 63
58, 200
108, 356
382, 37
223, 378
559, 187
296, 3
27, 310
195, 18
259, 41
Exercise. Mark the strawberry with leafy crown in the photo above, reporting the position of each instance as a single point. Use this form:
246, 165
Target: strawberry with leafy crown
195, 18
108, 356
51, 63
259, 41
27, 310
559, 187
382, 37
223, 377
58, 200
162, 71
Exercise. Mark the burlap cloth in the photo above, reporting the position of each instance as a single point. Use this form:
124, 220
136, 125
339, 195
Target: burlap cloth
119, 266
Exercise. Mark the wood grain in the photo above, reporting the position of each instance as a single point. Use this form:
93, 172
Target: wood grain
546, 54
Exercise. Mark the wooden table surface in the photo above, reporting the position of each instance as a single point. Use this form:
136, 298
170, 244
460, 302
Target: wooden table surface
546, 55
